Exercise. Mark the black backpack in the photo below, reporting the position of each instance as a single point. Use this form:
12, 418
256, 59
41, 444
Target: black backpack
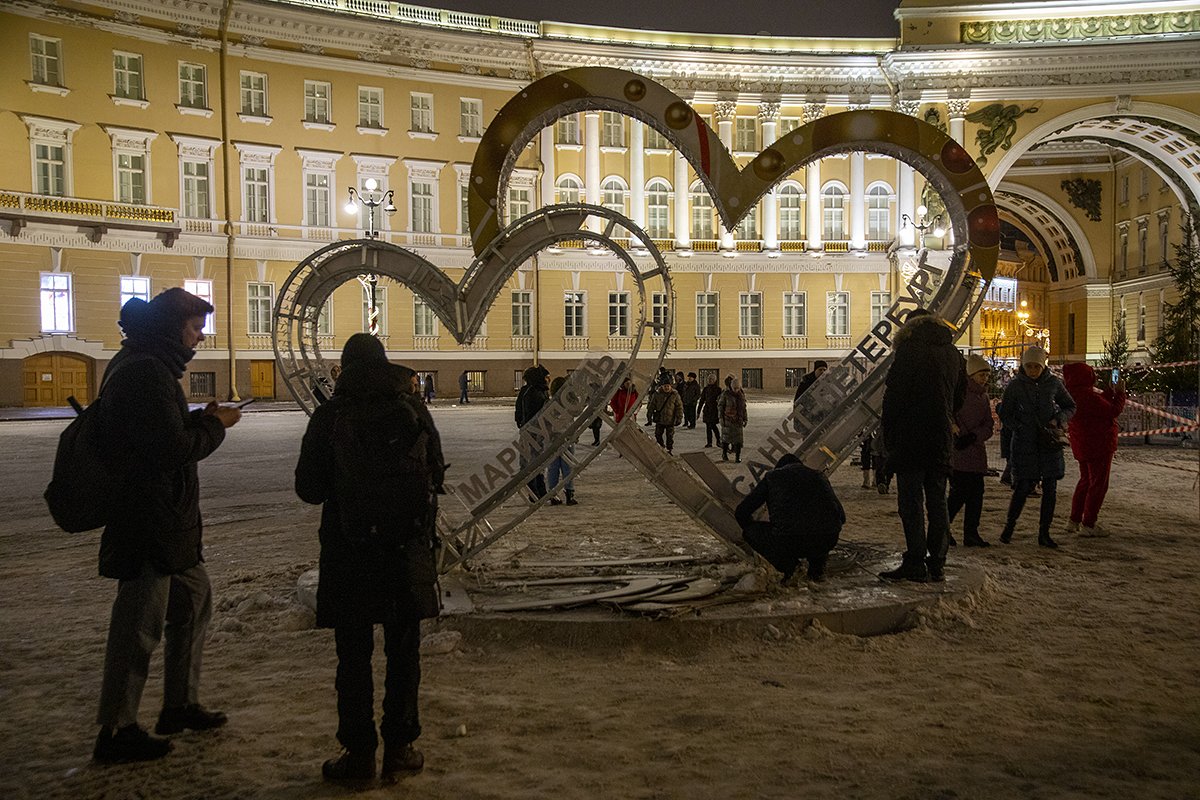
381, 466
85, 487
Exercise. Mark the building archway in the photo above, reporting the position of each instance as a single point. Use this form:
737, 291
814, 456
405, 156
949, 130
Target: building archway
48, 379
1061, 242
1164, 137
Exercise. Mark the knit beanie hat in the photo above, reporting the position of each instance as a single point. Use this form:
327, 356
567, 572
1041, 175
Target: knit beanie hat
976, 363
363, 348
1034, 355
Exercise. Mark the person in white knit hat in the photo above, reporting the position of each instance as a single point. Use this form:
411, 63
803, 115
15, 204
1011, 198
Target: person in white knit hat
1037, 407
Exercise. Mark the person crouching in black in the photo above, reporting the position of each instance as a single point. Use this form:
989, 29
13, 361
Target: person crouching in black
805, 518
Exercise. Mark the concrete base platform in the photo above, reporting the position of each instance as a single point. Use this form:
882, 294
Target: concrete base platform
852, 601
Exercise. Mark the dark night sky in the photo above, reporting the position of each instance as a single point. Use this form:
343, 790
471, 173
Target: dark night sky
850, 18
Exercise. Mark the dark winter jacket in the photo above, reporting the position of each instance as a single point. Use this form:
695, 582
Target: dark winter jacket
924, 388
155, 442
800, 501
805, 384
365, 578
533, 395
975, 426
708, 403
665, 407
1093, 428
689, 394
1027, 408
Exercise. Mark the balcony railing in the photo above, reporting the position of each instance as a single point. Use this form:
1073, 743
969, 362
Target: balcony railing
575, 344
837, 342
750, 342
795, 342
425, 342
793, 246
620, 344
836, 247
708, 343
98, 215
522, 344
478, 343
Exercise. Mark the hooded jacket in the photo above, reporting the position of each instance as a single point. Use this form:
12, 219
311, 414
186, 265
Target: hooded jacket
1093, 428
533, 395
665, 407
1029, 406
924, 388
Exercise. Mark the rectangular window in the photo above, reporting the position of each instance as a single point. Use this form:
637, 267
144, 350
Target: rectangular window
424, 321
325, 318
752, 378
522, 313
203, 290
837, 321
702, 215
254, 94
747, 229
202, 385
655, 140
787, 125
259, 299
833, 216
1163, 242
316, 102
657, 213
658, 311
256, 209
518, 203
573, 319
750, 314
370, 107
1071, 332
1144, 183
704, 373
195, 189
422, 112
1141, 330
612, 129
127, 76
567, 130
131, 178
57, 308
792, 376
317, 200
745, 135
476, 380
132, 287
193, 85
47, 60
1123, 191
470, 117
51, 168
706, 314
464, 209
789, 214
880, 303
422, 207
618, 313
794, 314
1142, 236
1124, 251
380, 309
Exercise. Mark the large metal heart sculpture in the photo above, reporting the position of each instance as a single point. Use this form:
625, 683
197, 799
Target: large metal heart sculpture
831, 416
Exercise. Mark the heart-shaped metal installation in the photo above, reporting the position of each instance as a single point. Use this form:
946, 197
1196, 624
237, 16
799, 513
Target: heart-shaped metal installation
830, 416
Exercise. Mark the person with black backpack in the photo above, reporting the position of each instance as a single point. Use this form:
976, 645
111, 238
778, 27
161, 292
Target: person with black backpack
151, 543
373, 457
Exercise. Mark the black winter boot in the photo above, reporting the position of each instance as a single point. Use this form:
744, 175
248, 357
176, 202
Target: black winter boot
1007, 534
974, 540
351, 768
400, 760
130, 743
1044, 540
193, 716
914, 571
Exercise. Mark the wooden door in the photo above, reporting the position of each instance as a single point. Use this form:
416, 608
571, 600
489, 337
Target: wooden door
50, 378
262, 379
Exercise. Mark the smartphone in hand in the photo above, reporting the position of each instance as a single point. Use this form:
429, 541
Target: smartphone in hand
1116, 375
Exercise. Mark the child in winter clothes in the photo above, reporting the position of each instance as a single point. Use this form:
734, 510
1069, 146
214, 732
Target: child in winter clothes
1093, 434
973, 426
732, 407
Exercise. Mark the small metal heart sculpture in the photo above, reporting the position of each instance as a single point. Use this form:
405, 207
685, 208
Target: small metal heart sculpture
830, 417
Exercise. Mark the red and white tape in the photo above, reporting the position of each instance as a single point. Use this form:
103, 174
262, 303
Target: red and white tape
1157, 431
1144, 367
1160, 412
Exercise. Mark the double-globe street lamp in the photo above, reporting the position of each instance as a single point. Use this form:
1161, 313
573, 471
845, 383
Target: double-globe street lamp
372, 197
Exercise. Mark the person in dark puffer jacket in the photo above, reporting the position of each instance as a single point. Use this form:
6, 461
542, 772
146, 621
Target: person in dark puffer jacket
371, 573
152, 546
530, 400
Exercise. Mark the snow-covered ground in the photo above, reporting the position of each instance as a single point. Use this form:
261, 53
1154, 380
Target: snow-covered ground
1073, 673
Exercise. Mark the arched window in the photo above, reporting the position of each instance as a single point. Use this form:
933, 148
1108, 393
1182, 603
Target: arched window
834, 213
789, 212
613, 195
702, 212
568, 189
657, 211
879, 216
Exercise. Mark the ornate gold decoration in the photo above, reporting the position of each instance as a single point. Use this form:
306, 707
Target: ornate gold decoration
1069, 29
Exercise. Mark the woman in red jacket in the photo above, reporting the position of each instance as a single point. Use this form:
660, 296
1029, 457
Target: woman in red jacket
624, 400
1093, 434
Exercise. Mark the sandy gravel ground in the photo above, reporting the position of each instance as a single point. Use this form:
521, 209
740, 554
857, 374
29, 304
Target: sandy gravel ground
1072, 674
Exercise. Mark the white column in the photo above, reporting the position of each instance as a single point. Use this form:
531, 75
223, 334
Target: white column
549, 174
858, 201
683, 221
907, 191
591, 161
812, 185
958, 112
768, 116
637, 172
725, 112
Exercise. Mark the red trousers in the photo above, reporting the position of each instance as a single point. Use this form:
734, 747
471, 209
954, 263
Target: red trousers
1090, 491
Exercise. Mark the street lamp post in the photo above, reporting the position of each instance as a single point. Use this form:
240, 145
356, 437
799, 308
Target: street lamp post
1023, 320
372, 198
921, 224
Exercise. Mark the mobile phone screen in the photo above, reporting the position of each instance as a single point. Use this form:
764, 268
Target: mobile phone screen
1116, 375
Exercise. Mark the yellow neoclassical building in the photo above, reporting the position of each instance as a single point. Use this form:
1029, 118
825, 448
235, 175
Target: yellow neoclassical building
211, 145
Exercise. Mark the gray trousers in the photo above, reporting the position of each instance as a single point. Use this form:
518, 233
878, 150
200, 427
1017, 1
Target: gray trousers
148, 607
